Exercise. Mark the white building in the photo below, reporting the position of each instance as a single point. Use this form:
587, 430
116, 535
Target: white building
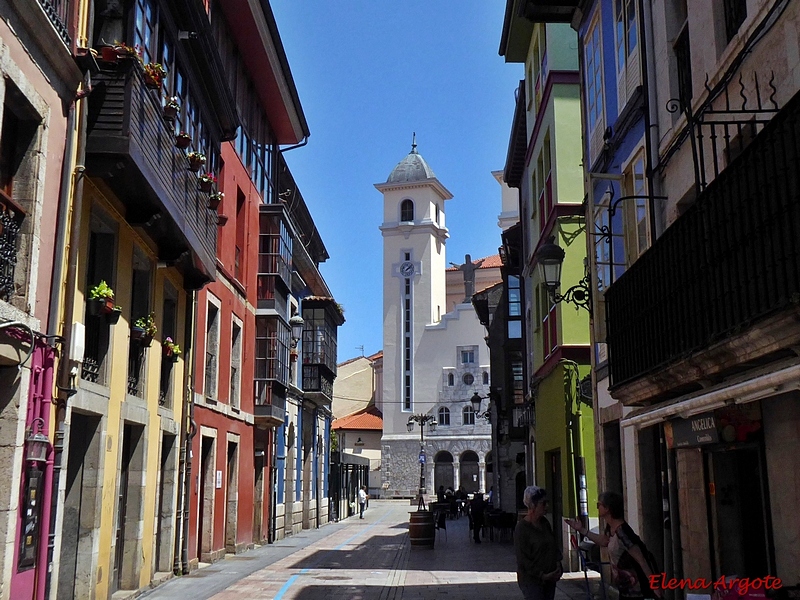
434, 359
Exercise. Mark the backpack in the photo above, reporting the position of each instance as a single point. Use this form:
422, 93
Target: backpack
631, 565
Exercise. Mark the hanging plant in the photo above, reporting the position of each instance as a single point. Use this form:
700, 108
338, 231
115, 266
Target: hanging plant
154, 74
207, 180
171, 349
112, 317
171, 109
214, 201
101, 299
144, 329
196, 160
183, 140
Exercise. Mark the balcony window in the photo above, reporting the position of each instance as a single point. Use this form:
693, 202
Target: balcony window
593, 82
274, 258
101, 258
683, 56
140, 307
319, 338
212, 351
236, 364
514, 316
272, 351
169, 320
735, 14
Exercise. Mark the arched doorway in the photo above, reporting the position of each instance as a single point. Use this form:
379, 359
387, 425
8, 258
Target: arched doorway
470, 476
443, 470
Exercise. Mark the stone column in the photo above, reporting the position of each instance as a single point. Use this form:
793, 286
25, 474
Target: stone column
482, 476
456, 473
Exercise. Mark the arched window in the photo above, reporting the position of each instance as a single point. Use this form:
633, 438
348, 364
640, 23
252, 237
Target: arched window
407, 210
444, 416
485, 378
451, 380
468, 415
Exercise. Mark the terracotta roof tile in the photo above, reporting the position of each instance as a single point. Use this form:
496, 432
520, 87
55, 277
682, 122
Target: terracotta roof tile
366, 418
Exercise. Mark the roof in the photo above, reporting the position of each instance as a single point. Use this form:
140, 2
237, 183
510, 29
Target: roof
366, 418
371, 358
489, 262
412, 168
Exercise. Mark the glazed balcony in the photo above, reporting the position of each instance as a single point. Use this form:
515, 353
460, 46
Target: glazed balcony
731, 261
131, 149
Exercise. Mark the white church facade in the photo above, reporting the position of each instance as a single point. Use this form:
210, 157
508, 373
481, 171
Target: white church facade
434, 354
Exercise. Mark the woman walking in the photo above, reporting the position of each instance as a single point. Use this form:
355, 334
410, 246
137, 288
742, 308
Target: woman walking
538, 555
629, 566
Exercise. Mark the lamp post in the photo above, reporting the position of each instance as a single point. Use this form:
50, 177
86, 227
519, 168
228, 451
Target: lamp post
421, 420
476, 406
296, 323
37, 443
550, 258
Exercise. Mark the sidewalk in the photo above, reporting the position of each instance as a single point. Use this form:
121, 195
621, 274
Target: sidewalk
368, 559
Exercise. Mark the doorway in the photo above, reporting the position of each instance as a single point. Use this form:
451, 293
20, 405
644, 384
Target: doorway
470, 472
737, 501
443, 470
258, 496
81, 508
232, 498
129, 510
205, 513
165, 534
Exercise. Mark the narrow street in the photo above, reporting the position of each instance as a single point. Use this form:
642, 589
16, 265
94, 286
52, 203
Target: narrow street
365, 560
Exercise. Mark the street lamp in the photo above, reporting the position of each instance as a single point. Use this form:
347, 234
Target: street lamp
421, 420
476, 406
296, 323
37, 443
550, 258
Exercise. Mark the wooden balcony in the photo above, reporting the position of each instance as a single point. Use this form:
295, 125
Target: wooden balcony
719, 291
131, 149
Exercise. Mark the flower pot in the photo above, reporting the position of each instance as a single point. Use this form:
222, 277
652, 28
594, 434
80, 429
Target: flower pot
152, 82
170, 112
95, 306
137, 333
213, 202
108, 305
222, 220
182, 142
113, 317
205, 186
167, 351
194, 165
146, 341
108, 54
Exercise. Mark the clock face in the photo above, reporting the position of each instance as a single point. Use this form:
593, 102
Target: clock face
407, 269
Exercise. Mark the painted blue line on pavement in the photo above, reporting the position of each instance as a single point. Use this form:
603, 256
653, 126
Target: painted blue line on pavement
294, 578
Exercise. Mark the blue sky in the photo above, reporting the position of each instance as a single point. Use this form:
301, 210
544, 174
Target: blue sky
369, 73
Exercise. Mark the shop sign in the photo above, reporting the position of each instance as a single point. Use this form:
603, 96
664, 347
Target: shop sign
696, 431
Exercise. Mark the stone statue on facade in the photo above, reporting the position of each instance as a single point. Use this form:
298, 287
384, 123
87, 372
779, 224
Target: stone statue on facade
468, 269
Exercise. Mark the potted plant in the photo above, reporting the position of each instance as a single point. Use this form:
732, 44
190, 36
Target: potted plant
123, 51
171, 349
154, 74
112, 317
171, 109
101, 299
207, 180
196, 160
108, 53
214, 200
183, 140
144, 329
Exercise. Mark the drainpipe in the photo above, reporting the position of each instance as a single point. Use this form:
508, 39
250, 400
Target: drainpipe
273, 493
188, 429
69, 203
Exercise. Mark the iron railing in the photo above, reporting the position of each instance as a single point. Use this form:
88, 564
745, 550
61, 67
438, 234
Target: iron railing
10, 223
731, 259
58, 13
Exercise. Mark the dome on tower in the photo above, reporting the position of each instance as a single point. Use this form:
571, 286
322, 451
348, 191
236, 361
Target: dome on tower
412, 168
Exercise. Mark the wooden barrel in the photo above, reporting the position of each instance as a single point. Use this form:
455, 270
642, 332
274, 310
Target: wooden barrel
421, 531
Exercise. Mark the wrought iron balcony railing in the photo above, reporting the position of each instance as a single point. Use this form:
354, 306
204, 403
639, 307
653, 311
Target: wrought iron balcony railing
731, 259
10, 222
58, 11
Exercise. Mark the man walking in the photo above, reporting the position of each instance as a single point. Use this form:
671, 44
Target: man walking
362, 500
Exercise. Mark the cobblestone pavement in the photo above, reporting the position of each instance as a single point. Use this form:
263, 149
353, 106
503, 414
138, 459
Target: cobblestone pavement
368, 559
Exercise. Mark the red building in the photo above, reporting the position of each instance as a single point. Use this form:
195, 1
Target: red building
233, 431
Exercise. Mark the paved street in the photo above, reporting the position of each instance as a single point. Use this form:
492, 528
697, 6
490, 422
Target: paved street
366, 559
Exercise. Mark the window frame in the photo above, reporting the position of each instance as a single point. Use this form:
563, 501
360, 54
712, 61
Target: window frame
443, 417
